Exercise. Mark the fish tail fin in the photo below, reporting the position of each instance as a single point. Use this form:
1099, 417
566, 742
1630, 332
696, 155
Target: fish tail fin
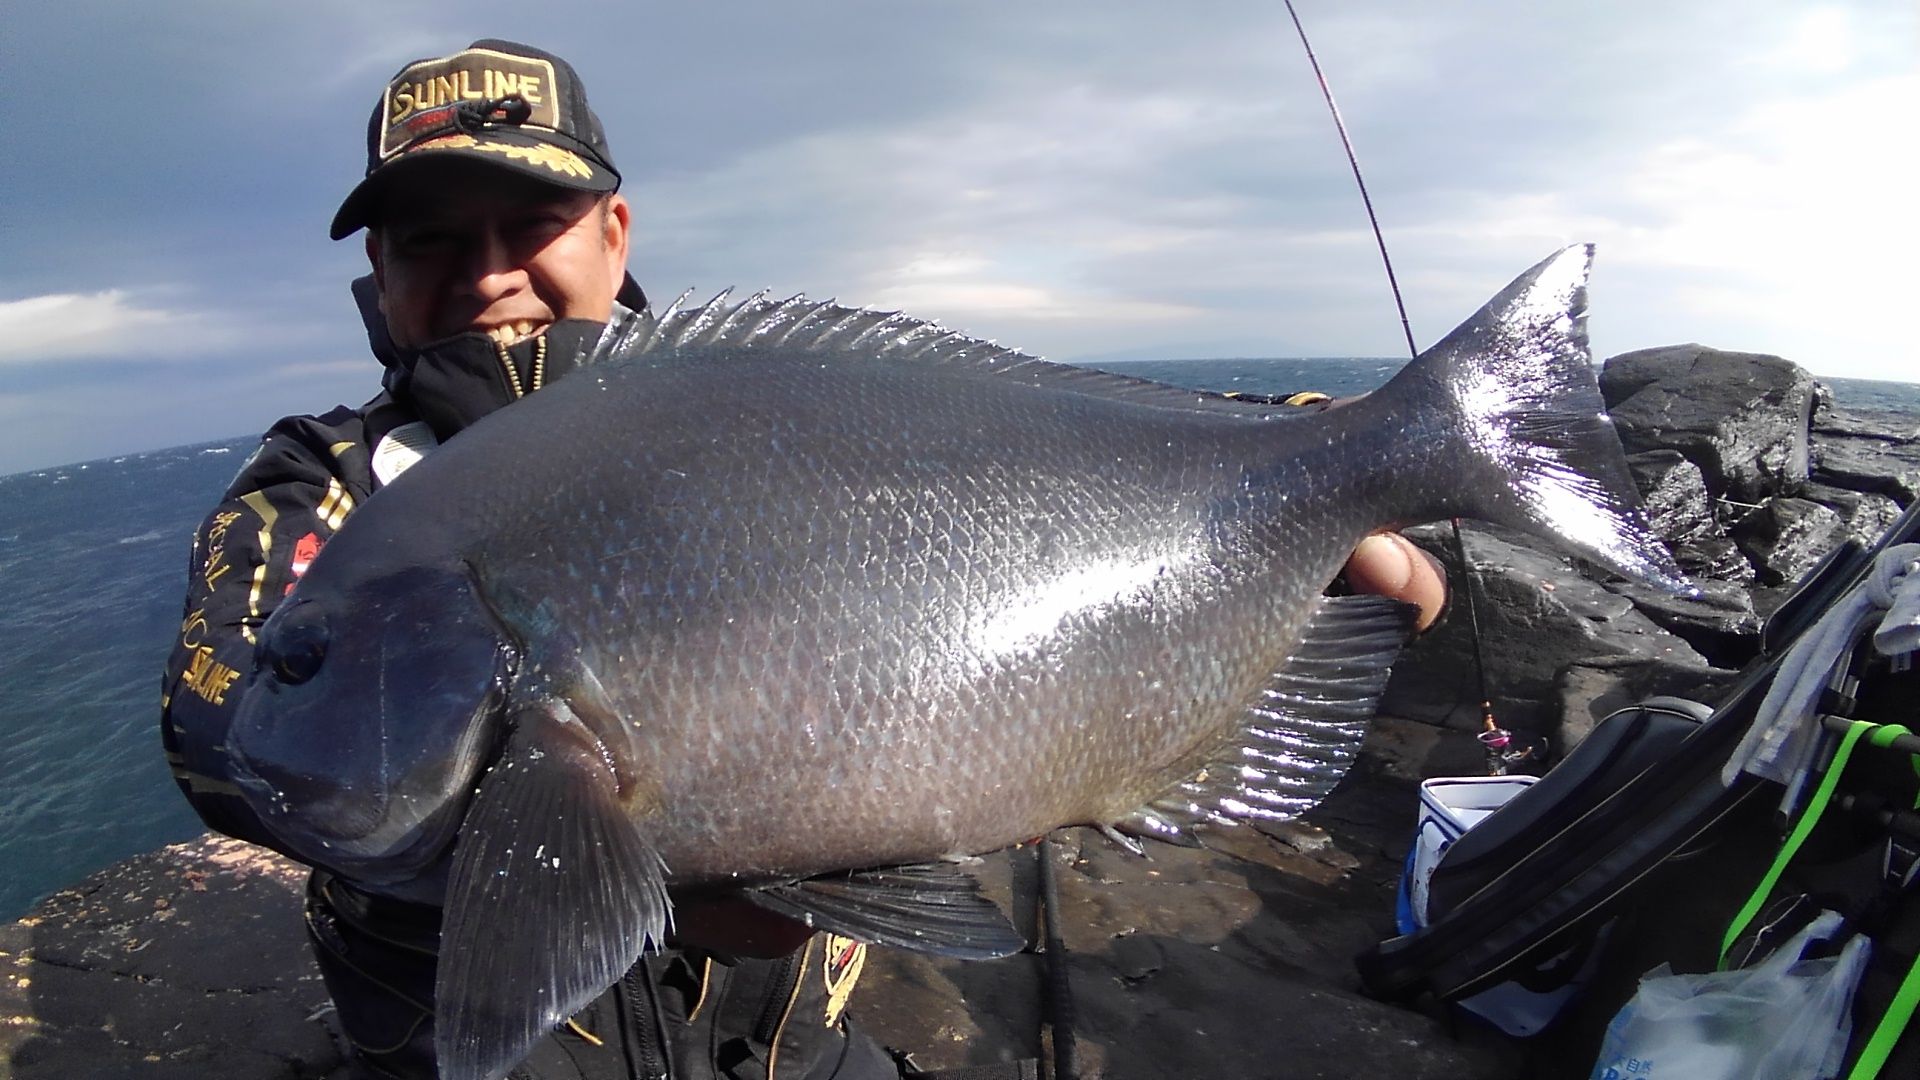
1528, 442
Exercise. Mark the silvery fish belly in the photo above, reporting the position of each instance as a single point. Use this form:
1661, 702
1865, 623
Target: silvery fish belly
791, 599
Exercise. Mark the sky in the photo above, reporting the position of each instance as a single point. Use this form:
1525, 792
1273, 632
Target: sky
1084, 180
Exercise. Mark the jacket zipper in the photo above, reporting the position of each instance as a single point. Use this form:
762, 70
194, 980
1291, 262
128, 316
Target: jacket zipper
649, 1032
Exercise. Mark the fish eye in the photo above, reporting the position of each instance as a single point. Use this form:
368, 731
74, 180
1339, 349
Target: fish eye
298, 645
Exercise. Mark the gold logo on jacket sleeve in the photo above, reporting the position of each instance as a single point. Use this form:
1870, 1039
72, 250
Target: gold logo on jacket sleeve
844, 959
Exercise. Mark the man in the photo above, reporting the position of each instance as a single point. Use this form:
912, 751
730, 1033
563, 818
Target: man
498, 243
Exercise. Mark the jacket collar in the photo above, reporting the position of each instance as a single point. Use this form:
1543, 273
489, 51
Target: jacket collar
451, 383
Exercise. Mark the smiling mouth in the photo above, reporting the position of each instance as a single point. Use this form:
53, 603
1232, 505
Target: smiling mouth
515, 332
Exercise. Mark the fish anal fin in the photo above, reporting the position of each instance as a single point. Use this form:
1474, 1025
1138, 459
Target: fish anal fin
553, 896
933, 908
1302, 731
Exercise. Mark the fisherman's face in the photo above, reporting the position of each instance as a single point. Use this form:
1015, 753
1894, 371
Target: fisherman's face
464, 246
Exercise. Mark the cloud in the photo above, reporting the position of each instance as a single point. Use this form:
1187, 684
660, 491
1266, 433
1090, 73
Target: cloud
1078, 179
62, 326
1822, 41
1044, 219
1788, 230
1085, 202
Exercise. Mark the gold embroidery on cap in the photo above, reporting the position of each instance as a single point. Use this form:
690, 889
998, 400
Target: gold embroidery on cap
561, 161
449, 142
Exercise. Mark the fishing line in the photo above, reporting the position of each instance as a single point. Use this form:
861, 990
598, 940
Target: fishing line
1340, 125
1492, 735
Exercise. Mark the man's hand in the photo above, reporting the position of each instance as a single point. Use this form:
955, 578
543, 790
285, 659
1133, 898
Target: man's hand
1389, 564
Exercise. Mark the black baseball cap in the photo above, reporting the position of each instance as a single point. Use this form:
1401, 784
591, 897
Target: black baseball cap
501, 102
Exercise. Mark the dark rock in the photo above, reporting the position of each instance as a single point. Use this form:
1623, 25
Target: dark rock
1868, 466
1785, 538
1196, 963
1677, 504
1414, 750
192, 963
1680, 512
1867, 514
1741, 417
1537, 615
1823, 406
1713, 557
187, 962
1721, 624
1589, 693
1890, 427
1867, 450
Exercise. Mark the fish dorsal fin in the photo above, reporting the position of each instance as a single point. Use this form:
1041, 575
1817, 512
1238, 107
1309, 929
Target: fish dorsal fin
552, 898
826, 328
1302, 731
934, 908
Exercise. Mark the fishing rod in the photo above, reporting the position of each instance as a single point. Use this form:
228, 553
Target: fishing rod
1353, 161
1496, 739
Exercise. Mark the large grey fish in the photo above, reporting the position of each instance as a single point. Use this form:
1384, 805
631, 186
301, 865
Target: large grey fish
779, 590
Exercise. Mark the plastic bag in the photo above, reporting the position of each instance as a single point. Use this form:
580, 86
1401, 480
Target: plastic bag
1782, 1019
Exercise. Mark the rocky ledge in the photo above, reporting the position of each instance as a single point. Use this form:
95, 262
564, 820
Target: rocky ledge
188, 962
192, 962
1751, 475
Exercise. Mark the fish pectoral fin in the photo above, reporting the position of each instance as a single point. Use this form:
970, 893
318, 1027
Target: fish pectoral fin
553, 896
928, 908
1302, 731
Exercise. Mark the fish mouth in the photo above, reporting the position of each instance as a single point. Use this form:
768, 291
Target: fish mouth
398, 844
383, 828
514, 331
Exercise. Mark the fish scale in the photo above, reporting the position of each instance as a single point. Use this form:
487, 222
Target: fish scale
844, 603
783, 597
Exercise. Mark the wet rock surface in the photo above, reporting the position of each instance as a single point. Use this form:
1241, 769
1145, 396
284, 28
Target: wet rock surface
1721, 623
1682, 513
1866, 514
1785, 537
187, 962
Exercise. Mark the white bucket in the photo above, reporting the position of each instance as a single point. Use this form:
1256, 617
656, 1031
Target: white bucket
1449, 806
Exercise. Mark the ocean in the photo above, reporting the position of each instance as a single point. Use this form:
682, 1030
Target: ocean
92, 571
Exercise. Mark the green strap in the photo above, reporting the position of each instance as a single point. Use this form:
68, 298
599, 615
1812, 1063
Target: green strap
1808, 819
1893, 1023
1873, 1056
